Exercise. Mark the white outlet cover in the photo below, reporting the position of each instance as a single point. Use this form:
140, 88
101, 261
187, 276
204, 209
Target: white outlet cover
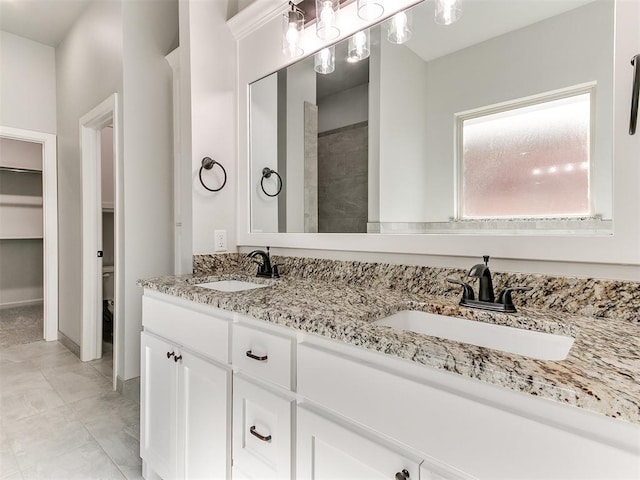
220, 240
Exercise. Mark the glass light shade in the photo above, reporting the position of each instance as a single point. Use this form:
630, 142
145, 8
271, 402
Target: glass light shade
359, 47
325, 60
370, 9
327, 19
399, 27
292, 26
447, 11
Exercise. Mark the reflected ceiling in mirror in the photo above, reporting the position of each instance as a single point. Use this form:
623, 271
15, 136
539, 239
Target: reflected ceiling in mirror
421, 137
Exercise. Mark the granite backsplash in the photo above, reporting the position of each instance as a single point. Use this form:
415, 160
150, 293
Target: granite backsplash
581, 296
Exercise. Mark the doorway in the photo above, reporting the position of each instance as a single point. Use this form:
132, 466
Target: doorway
101, 250
39, 177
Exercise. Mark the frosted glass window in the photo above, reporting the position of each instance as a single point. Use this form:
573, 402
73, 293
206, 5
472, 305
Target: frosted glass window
530, 161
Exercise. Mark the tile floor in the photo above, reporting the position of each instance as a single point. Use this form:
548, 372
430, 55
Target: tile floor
60, 419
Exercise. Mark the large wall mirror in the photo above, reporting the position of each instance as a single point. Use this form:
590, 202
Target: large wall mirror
500, 122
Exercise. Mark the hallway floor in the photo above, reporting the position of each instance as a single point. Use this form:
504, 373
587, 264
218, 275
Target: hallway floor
60, 419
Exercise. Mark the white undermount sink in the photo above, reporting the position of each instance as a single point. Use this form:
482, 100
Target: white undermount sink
231, 285
538, 345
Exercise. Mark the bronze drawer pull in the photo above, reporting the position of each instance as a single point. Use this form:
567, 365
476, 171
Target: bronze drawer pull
635, 94
260, 358
253, 432
403, 475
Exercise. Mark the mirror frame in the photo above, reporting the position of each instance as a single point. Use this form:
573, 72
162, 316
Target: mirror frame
259, 55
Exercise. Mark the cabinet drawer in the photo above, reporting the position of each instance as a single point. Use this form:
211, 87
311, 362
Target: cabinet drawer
202, 332
329, 448
263, 354
262, 436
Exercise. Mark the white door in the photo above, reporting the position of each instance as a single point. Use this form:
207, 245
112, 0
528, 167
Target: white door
158, 429
204, 419
262, 436
331, 449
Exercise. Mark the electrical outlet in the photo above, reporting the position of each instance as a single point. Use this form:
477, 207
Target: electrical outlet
220, 239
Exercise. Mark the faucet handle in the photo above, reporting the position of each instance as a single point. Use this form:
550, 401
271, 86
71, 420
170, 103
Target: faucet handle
467, 290
505, 296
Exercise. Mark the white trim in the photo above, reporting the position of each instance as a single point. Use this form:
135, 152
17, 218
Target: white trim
621, 248
50, 215
173, 58
22, 303
259, 13
90, 125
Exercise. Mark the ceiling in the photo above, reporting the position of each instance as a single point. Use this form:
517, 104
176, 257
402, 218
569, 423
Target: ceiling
44, 21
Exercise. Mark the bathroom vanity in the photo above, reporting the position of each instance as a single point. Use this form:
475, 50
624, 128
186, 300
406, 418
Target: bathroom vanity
294, 380
301, 378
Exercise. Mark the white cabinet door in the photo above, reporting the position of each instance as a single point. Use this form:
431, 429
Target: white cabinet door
262, 436
204, 413
330, 449
158, 429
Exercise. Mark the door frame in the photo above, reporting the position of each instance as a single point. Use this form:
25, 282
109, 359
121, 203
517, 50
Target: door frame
104, 114
50, 221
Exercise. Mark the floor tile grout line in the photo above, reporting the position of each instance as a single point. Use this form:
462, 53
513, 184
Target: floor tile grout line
108, 377
95, 439
69, 404
40, 411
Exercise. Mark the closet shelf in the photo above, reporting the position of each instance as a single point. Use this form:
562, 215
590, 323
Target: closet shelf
19, 169
23, 237
20, 200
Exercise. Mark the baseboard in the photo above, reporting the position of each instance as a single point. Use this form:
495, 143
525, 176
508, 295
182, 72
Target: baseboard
129, 388
22, 303
70, 344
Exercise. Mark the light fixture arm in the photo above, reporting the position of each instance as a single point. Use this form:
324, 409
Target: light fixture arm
295, 8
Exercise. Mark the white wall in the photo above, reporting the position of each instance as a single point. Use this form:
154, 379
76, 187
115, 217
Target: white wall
150, 31
566, 50
344, 108
301, 87
208, 82
264, 151
402, 133
119, 47
27, 84
21, 267
88, 70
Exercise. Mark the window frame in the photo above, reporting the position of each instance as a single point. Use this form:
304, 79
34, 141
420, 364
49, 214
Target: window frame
537, 99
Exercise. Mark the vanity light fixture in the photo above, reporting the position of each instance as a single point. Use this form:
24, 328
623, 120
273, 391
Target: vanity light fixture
292, 26
370, 9
359, 46
447, 11
327, 19
325, 60
399, 27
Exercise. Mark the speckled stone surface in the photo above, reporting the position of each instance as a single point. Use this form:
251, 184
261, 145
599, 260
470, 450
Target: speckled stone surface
589, 297
600, 374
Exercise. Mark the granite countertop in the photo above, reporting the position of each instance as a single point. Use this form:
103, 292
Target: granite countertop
601, 372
